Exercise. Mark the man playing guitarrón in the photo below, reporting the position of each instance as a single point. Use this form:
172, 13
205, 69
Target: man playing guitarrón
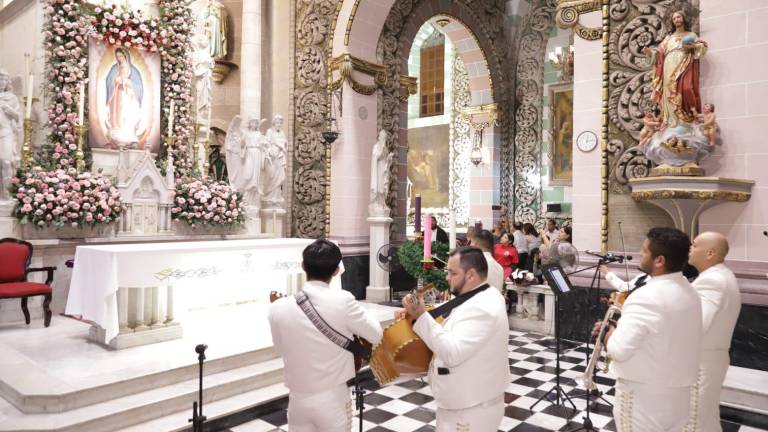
469, 370
317, 369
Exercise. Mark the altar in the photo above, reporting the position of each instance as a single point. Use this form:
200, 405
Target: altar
139, 293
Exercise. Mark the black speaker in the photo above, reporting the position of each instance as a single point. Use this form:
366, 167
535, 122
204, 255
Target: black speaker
554, 208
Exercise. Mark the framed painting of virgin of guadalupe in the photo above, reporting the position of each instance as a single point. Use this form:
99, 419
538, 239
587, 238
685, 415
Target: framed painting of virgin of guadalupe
123, 98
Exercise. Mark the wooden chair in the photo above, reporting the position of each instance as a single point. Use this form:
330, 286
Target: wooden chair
15, 257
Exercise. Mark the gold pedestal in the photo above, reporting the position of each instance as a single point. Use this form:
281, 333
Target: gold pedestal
80, 153
26, 147
692, 170
221, 70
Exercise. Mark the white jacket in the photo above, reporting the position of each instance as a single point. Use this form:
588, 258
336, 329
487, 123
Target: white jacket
720, 306
313, 363
472, 344
495, 272
658, 338
619, 285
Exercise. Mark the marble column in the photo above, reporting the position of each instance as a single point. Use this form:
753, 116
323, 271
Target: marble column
378, 290
250, 60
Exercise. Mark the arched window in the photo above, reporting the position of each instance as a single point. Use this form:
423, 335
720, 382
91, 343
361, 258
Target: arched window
432, 75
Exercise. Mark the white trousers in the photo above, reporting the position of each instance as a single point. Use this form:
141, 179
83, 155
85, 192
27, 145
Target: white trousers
714, 366
485, 417
644, 408
329, 411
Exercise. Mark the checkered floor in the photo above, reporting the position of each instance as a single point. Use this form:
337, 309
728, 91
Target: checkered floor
409, 406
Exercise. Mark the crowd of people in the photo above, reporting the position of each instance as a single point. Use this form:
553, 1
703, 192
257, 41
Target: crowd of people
669, 349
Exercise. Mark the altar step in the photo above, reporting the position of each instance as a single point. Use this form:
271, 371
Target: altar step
746, 390
114, 412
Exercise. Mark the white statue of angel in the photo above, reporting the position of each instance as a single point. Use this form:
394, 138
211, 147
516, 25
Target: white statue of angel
245, 158
10, 126
274, 166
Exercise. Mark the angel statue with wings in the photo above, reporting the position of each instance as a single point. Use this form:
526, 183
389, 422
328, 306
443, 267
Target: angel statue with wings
245, 154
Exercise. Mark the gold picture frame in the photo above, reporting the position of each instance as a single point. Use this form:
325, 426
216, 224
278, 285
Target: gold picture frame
560, 146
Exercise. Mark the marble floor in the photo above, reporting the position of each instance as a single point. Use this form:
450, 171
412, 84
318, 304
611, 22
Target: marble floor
410, 407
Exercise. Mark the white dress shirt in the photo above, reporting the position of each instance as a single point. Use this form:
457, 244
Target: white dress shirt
472, 343
313, 363
521, 243
495, 272
658, 338
720, 306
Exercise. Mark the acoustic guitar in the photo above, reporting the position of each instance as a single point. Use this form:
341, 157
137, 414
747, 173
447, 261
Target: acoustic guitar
360, 360
401, 353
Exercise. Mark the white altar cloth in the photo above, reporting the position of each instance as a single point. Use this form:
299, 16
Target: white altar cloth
263, 264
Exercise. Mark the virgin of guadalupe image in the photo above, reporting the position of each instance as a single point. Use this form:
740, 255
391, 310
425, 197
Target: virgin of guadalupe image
125, 91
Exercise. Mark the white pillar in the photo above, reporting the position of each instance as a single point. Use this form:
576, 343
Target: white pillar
250, 63
378, 290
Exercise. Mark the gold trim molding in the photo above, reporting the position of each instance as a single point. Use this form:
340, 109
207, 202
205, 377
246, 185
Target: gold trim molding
488, 110
568, 13
346, 64
702, 195
411, 84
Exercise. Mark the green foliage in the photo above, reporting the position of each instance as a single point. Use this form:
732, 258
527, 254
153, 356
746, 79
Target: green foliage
412, 252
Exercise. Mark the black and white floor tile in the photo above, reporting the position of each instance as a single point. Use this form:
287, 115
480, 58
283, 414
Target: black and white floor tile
410, 407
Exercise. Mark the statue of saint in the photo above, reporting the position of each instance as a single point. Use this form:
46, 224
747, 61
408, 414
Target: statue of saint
203, 70
381, 160
676, 138
10, 126
274, 166
676, 73
245, 158
217, 22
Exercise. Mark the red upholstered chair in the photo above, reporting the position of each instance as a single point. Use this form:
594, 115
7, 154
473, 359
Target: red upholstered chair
15, 256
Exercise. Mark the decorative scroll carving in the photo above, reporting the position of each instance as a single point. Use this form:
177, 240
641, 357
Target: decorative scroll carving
529, 93
486, 20
568, 13
346, 64
691, 194
314, 19
460, 143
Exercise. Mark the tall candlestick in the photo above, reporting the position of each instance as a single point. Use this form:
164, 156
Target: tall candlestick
81, 104
30, 93
417, 219
427, 237
170, 117
452, 236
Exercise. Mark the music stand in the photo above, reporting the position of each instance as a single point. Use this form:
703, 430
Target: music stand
561, 286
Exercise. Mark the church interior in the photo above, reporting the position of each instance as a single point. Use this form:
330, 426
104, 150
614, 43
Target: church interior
164, 164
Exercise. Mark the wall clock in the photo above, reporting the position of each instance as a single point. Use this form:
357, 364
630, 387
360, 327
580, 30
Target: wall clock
586, 141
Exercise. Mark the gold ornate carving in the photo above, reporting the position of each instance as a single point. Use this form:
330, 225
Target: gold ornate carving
569, 11
604, 124
347, 64
350, 21
720, 195
677, 171
490, 111
411, 84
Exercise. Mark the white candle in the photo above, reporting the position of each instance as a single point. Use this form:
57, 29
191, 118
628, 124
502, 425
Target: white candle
26, 71
81, 104
170, 118
30, 92
452, 237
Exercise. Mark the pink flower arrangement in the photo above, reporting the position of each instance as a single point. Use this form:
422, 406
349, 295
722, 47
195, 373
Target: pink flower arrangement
63, 197
207, 202
125, 28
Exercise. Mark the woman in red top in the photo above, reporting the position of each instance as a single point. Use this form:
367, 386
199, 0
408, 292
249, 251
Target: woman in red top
506, 254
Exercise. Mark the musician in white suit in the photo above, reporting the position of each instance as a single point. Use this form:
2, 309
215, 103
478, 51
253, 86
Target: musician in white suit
720, 305
656, 346
470, 370
316, 369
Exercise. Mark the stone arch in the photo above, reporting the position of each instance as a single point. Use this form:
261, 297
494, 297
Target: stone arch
478, 21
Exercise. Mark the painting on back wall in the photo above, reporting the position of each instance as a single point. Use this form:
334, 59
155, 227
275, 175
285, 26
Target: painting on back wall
429, 165
123, 98
561, 137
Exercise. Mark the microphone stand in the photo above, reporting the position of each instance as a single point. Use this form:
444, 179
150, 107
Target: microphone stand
198, 419
359, 393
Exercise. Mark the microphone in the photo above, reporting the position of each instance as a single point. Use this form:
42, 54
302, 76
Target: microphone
610, 257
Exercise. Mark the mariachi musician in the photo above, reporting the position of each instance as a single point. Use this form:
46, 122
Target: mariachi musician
469, 370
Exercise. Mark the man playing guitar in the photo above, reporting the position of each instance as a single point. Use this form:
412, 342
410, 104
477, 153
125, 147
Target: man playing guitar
306, 331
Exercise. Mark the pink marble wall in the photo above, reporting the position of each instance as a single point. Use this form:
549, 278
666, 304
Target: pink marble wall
587, 84
734, 79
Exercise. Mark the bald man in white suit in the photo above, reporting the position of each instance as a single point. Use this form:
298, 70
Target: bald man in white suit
720, 305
